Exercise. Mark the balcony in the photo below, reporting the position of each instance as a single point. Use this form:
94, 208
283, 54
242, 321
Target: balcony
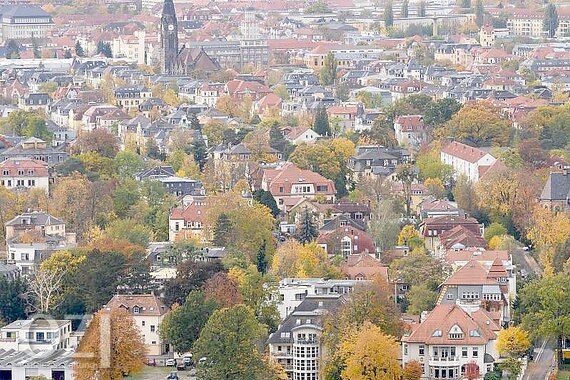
8, 340
311, 342
282, 354
444, 361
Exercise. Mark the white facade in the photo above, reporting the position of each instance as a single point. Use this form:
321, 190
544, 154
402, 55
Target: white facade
467, 168
36, 335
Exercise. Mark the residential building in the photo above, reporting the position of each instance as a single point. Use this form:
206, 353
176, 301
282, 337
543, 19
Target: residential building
375, 160
55, 364
36, 334
344, 116
287, 183
24, 22
525, 22
300, 135
156, 172
459, 238
148, 312
450, 340
433, 228
556, 191
411, 131
35, 149
29, 250
346, 240
466, 160
182, 186
297, 344
35, 102
188, 219
364, 266
24, 174
34, 221
130, 98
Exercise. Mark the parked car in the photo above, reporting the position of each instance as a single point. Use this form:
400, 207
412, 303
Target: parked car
151, 362
187, 359
181, 366
173, 376
171, 362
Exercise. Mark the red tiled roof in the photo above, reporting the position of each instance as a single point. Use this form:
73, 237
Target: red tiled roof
464, 152
290, 174
410, 123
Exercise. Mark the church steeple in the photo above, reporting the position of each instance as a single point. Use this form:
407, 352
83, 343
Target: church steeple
168, 39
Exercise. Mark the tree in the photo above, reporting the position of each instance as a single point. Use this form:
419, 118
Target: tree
191, 275
223, 230
545, 307
550, 20
435, 187
229, 341
406, 174
478, 124
389, 15
419, 269
125, 196
329, 70
105, 49
261, 261
70, 196
321, 124
407, 233
494, 229
99, 140
307, 231
12, 299
277, 140
465, 195
413, 370
45, 287
130, 230
27, 124
421, 298
182, 325
369, 354
194, 122
437, 113
404, 12
422, 10
12, 50
548, 232
127, 164
385, 224
382, 132
513, 342
111, 348
223, 290
479, 13
79, 49
293, 259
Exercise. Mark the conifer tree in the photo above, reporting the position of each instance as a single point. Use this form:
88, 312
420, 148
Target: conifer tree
307, 230
222, 230
321, 124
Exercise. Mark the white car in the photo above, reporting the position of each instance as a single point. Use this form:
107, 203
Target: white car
170, 362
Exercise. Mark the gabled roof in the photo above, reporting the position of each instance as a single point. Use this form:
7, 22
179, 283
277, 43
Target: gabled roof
464, 152
557, 187
149, 304
471, 273
477, 329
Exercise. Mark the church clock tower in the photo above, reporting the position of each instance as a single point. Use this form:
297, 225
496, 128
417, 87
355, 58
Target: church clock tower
168, 39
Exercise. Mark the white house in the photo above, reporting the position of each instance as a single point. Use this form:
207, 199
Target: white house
410, 131
148, 311
451, 342
466, 160
36, 335
300, 135
24, 173
27, 255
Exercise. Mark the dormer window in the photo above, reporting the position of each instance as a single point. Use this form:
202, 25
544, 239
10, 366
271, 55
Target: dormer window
456, 335
437, 333
136, 310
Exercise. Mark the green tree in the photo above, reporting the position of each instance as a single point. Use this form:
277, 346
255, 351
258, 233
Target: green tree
181, 327
420, 269
494, 229
441, 111
105, 49
12, 299
421, 298
545, 309
194, 122
550, 20
127, 164
329, 70
230, 342
261, 259
12, 50
404, 12
191, 275
307, 231
223, 231
406, 174
266, 199
79, 49
277, 141
389, 15
321, 124
125, 196
130, 230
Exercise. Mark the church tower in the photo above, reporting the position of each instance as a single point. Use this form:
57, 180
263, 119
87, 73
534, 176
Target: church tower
168, 39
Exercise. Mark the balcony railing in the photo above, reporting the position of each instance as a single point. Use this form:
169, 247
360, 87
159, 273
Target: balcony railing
307, 341
449, 360
9, 340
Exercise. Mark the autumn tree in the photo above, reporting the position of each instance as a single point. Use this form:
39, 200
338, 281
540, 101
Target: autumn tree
420, 268
548, 231
222, 289
370, 354
385, 223
407, 233
229, 341
413, 370
70, 197
421, 298
191, 275
182, 325
99, 140
406, 174
465, 195
111, 348
293, 259
513, 342
477, 124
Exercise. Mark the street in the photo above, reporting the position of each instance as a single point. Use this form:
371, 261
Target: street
540, 367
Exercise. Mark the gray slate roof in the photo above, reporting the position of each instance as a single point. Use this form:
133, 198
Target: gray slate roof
557, 187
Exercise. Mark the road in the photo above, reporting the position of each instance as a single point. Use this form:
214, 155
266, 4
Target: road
523, 260
542, 364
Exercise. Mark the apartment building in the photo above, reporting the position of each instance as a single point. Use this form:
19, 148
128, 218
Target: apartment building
467, 160
36, 335
296, 344
24, 174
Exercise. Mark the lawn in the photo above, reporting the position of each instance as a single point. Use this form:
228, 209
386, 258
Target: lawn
563, 375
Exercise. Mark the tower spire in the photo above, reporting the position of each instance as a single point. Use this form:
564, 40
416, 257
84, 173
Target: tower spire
168, 38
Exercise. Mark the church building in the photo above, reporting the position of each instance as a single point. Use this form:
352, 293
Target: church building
175, 61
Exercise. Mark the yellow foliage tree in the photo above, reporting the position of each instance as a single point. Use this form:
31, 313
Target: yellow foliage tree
293, 259
513, 342
112, 347
369, 354
495, 242
407, 233
435, 187
548, 231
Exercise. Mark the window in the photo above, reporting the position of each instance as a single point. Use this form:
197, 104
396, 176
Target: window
421, 350
405, 349
475, 352
455, 335
143, 323
152, 328
136, 310
346, 246
5, 172
464, 352
322, 188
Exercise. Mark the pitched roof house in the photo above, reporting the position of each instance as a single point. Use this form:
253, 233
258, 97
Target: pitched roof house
467, 160
556, 192
411, 131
